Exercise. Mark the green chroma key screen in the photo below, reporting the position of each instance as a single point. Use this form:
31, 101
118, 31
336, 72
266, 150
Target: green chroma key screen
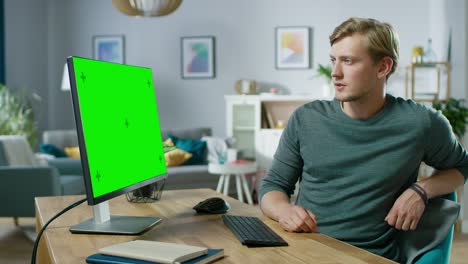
121, 134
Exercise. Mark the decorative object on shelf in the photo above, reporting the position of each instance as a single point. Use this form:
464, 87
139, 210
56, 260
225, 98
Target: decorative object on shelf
280, 124
325, 72
246, 87
417, 54
293, 47
109, 48
147, 8
429, 54
198, 57
16, 116
456, 113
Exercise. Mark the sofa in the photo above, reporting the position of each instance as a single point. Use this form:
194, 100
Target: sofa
179, 177
25, 177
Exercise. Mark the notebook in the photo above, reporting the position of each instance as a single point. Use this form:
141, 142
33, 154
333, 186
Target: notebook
212, 255
155, 251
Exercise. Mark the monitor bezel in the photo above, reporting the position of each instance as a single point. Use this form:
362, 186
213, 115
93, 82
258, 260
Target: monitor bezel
83, 152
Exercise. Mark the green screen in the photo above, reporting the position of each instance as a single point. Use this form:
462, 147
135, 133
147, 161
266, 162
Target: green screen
120, 125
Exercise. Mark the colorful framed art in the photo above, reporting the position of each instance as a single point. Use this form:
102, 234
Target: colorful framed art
109, 48
293, 47
198, 57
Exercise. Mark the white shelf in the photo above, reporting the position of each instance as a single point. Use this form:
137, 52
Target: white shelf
275, 97
247, 114
244, 128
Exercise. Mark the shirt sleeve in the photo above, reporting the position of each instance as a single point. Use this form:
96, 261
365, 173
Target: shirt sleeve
442, 149
287, 164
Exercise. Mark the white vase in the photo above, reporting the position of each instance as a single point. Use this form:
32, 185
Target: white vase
328, 90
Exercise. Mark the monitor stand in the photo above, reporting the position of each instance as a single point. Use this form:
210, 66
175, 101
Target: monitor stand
104, 223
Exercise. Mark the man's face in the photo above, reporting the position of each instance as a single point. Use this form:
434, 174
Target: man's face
354, 72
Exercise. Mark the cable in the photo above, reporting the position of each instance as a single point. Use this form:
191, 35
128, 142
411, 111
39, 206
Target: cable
36, 242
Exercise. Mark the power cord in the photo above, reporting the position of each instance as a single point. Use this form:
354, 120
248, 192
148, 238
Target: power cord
36, 242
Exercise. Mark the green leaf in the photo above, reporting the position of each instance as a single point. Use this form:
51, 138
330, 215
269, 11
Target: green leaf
16, 115
324, 72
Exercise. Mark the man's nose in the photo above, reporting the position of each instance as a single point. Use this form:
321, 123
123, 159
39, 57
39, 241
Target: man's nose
337, 73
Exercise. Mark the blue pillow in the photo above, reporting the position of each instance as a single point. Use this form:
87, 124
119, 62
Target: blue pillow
196, 147
52, 150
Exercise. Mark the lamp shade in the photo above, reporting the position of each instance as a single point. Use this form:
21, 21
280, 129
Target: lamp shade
65, 79
147, 7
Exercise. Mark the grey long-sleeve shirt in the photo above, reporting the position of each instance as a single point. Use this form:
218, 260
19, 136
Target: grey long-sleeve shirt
350, 171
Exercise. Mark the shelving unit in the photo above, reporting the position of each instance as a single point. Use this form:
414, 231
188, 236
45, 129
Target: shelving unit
253, 121
438, 71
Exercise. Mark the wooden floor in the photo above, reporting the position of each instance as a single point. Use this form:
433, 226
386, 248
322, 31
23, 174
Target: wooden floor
15, 247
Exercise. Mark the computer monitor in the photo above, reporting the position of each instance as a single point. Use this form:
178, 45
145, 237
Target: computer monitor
119, 136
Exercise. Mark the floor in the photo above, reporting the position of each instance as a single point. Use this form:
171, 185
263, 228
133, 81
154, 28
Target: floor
15, 247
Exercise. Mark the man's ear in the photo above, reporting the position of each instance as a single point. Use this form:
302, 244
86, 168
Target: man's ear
385, 66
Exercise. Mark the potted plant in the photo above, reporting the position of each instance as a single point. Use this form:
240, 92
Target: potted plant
456, 113
16, 116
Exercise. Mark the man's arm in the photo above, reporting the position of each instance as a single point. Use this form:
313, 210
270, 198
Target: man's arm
443, 151
442, 182
292, 218
280, 182
409, 207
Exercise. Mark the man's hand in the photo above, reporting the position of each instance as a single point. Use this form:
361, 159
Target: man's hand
406, 211
294, 218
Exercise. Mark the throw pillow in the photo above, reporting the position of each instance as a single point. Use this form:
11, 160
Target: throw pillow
52, 150
195, 147
176, 157
168, 145
73, 152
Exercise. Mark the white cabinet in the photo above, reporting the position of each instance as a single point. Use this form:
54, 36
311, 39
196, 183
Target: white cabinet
242, 120
253, 121
266, 143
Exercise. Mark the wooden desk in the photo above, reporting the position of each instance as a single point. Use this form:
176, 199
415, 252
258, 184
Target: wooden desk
180, 224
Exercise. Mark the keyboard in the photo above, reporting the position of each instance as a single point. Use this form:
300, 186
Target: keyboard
252, 232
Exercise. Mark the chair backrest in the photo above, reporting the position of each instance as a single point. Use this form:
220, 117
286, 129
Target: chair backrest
431, 242
16, 151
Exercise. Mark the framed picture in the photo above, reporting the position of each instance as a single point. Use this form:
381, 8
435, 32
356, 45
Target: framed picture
198, 57
109, 48
292, 47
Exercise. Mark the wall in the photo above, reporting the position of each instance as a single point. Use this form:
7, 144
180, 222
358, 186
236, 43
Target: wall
26, 52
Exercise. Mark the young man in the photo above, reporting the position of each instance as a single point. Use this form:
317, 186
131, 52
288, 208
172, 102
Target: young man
357, 157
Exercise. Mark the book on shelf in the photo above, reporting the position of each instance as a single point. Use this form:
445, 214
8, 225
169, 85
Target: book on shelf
154, 252
212, 255
267, 117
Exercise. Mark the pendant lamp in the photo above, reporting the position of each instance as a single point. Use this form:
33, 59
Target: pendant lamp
147, 8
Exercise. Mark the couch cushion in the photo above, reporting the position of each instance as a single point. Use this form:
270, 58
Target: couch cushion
3, 159
72, 184
196, 147
176, 157
52, 150
17, 151
73, 152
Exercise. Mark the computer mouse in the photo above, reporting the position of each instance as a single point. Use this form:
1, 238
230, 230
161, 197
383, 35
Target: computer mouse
213, 205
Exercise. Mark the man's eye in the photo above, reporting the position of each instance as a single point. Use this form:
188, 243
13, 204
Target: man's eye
332, 61
348, 61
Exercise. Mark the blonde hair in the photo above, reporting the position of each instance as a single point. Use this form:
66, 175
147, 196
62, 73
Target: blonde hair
381, 37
